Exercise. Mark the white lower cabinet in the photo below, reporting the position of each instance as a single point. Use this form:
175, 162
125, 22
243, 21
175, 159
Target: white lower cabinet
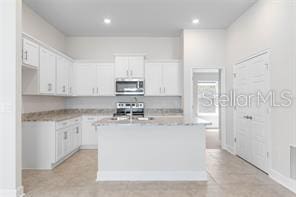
67, 140
89, 132
59, 145
46, 144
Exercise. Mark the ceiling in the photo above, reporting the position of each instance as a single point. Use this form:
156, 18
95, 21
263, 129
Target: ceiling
137, 17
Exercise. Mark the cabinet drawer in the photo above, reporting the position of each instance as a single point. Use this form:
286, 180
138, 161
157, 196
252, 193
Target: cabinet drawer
63, 124
90, 118
75, 121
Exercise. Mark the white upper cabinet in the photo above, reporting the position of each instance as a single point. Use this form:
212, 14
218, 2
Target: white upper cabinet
136, 67
71, 88
63, 66
105, 80
85, 79
129, 67
121, 67
153, 79
171, 79
163, 79
94, 79
30, 53
47, 75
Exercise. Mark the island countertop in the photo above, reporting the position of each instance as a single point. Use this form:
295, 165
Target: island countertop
155, 121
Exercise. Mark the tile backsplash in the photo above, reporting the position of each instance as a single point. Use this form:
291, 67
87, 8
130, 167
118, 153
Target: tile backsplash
109, 102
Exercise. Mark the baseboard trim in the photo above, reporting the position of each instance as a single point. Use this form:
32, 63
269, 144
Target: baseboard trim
283, 180
229, 149
152, 176
88, 147
19, 192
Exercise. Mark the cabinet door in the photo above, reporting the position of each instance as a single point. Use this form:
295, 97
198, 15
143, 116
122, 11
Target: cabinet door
59, 145
105, 77
171, 76
47, 71
77, 131
30, 53
136, 67
89, 134
71, 88
121, 67
153, 79
67, 143
85, 79
62, 76
73, 139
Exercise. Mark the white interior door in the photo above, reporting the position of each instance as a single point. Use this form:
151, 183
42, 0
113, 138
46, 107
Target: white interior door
252, 121
243, 130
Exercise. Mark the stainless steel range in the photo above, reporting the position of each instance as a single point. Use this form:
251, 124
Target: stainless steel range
128, 109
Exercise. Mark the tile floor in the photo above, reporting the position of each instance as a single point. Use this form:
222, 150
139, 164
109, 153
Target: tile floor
212, 139
229, 176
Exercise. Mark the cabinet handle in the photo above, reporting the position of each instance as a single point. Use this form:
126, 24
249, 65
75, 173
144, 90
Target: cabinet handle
77, 130
64, 88
97, 90
65, 135
160, 90
26, 55
164, 89
127, 73
49, 87
131, 72
70, 90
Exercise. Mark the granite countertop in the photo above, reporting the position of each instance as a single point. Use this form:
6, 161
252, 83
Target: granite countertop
66, 114
155, 121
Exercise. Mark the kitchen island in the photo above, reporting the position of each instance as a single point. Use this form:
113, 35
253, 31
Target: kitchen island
161, 148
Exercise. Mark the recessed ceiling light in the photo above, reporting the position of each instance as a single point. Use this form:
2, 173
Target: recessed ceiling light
195, 21
107, 20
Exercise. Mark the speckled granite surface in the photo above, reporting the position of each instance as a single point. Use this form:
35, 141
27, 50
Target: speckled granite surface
65, 114
156, 121
163, 112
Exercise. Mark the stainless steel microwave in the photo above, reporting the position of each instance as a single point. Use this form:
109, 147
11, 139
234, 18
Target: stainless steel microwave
129, 87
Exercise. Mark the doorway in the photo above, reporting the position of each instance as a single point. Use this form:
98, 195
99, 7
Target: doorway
206, 91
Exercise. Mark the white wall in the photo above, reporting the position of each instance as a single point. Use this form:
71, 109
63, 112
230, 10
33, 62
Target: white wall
37, 27
202, 48
42, 103
103, 48
109, 102
268, 25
